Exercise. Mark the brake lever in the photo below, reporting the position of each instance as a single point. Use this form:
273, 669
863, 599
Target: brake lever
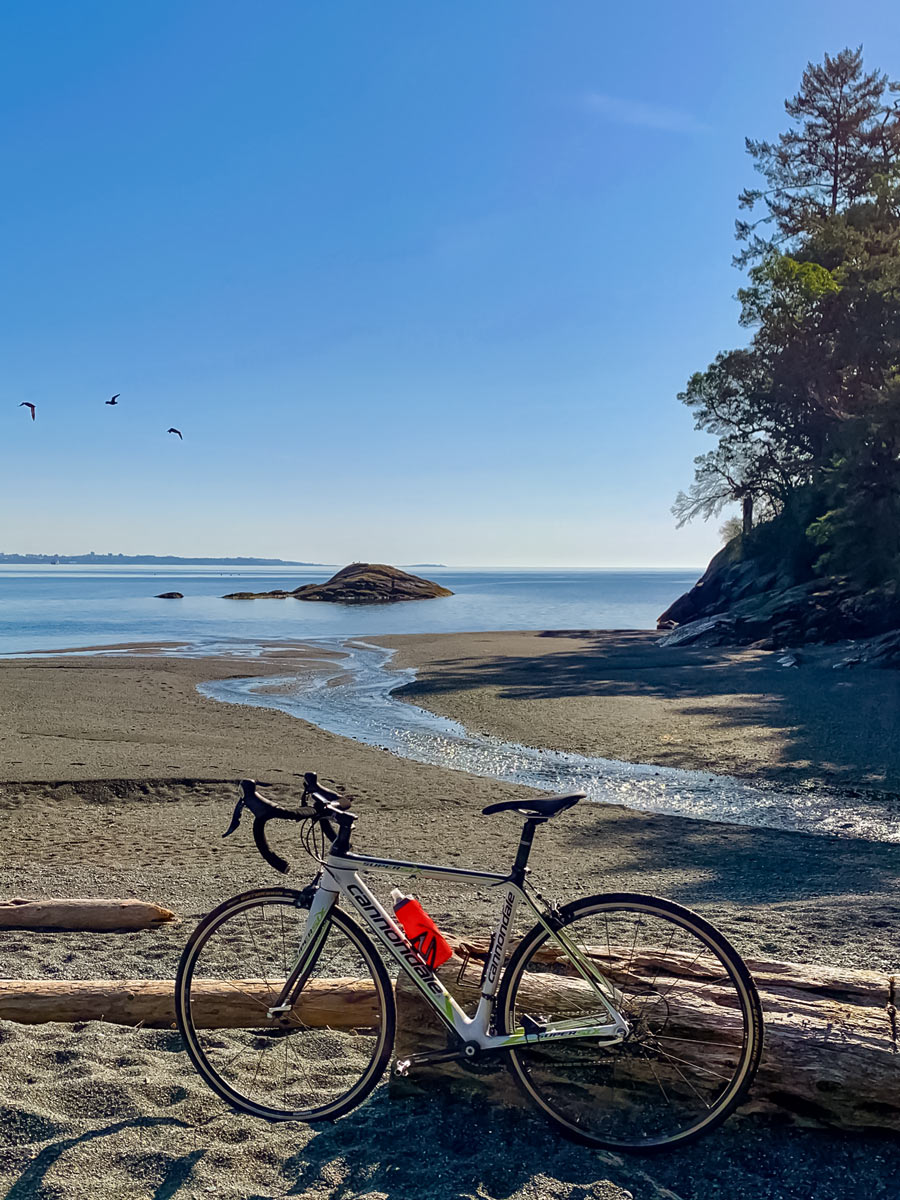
235, 817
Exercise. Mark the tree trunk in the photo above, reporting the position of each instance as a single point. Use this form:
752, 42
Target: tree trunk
746, 515
831, 1051
216, 1004
82, 915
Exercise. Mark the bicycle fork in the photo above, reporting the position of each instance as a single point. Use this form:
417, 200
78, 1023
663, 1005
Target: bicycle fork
324, 900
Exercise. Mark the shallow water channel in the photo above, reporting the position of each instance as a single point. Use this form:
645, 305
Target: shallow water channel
353, 697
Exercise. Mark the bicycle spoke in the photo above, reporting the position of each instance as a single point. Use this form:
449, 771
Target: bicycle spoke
701, 1098
239, 991
658, 1080
253, 937
240, 1054
694, 1066
298, 1071
658, 969
641, 1090
695, 1041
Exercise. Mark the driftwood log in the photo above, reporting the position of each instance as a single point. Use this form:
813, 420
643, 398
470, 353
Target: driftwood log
104, 916
831, 1053
831, 1034
235, 1004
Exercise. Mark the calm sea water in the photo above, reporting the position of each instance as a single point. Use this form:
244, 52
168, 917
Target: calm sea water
51, 608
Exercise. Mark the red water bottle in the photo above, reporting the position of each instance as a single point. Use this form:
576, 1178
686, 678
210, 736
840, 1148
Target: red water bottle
420, 929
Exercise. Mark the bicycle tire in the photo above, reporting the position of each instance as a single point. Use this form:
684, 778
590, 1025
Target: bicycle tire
331, 1069
639, 1094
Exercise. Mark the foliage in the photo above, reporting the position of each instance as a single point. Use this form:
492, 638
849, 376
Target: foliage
809, 411
730, 529
847, 131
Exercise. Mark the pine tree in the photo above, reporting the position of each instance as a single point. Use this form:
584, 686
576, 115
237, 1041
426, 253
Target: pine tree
847, 133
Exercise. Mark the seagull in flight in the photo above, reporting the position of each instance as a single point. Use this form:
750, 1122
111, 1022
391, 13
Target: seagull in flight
25, 404
115, 399
178, 431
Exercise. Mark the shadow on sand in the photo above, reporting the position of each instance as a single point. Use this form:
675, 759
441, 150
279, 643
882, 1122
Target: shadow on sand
854, 715
450, 1149
32, 1182
447, 1147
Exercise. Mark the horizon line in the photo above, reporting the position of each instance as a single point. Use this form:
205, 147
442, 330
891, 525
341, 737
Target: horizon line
261, 560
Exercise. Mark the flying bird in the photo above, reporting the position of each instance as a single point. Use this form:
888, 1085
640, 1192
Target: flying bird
178, 431
115, 399
25, 404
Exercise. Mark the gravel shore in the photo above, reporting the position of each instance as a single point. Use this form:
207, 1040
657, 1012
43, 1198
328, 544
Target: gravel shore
118, 781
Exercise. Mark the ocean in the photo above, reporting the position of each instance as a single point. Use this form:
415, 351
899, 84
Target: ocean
45, 608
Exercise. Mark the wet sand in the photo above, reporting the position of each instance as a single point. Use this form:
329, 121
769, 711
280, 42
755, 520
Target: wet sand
118, 780
620, 695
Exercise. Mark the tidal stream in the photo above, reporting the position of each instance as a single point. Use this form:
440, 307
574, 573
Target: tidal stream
354, 697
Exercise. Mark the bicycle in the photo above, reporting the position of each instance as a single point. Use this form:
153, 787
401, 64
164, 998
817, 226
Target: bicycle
628, 1021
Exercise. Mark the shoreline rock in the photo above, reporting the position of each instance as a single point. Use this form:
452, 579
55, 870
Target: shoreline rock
358, 583
747, 601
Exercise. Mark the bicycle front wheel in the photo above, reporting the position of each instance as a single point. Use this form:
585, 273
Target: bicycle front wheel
695, 1022
313, 1062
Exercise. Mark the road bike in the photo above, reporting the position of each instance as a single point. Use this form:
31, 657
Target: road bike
628, 1021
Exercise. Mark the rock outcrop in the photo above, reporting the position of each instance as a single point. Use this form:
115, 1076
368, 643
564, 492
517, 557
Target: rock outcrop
751, 601
169, 596
277, 594
360, 583
372, 583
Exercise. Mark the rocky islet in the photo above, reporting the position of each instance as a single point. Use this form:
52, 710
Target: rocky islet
358, 583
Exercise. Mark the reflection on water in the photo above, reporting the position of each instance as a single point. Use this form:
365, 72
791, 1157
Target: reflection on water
352, 697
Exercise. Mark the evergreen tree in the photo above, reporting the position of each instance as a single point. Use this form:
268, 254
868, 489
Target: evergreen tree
807, 416
847, 133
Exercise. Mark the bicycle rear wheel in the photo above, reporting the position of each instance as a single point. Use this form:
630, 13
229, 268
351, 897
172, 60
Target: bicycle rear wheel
696, 1029
316, 1061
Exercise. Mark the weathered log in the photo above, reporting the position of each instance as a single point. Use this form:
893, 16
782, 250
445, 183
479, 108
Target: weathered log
831, 1034
216, 1004
831, 1050
104, 916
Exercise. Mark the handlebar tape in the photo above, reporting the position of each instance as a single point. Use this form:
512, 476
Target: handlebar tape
273, 859
264, 810
315, 789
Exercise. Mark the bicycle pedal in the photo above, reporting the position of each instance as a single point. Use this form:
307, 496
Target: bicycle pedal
401, 1067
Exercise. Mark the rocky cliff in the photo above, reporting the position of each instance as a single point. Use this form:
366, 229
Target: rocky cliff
759, 601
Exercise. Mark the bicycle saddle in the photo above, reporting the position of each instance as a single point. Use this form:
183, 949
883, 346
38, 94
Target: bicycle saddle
544, 806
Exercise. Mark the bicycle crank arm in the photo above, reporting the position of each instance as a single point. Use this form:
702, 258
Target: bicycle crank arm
467, 1053
402, 1065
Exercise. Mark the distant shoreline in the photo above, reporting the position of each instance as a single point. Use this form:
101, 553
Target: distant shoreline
148, 560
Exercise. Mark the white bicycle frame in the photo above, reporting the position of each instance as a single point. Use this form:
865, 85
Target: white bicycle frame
341, 876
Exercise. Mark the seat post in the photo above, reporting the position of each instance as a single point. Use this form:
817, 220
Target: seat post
517, 874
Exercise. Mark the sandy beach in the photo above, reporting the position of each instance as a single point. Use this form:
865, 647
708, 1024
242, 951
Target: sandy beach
116, 778
620, 695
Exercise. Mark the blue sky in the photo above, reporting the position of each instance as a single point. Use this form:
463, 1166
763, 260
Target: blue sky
418, 282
